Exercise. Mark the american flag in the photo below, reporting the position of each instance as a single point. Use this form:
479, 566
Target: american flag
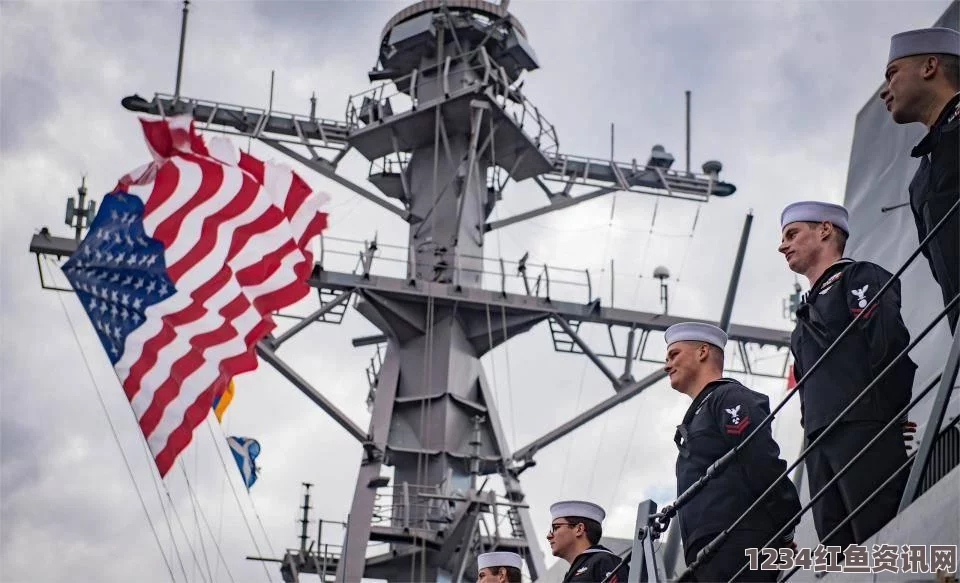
181, 268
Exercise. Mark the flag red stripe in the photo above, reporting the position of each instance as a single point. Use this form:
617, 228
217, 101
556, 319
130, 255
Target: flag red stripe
210, 182
164, 185
190, 363
298, 193
206, 240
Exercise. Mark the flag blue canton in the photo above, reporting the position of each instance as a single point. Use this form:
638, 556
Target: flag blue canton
118, 271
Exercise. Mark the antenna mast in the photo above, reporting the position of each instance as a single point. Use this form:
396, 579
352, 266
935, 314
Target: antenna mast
183, 40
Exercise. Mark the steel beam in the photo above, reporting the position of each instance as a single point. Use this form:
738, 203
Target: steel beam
307, 130
270, 356
586, 350
326, 169
351, 567
474, 298
480, 298
553, 206
317, 314
931, 430
735, 274
369, 340
626, 393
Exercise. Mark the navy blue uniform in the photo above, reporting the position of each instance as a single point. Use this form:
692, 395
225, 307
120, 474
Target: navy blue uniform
592, 565
723, 415
933, 191
837, 297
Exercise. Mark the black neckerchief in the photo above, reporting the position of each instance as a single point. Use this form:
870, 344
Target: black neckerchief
836, 266
583, 556
932, 139
680, 437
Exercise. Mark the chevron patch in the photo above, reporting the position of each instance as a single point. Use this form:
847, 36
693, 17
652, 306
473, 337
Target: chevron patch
738, 428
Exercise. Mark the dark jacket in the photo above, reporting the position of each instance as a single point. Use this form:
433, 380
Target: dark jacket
933, 190
592, 565
723, 415
831, 304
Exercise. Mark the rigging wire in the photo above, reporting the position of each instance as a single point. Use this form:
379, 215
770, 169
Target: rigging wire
223, 497
493, 362
596, 456
566, 460
123, 454
194, 504
506, 351
253, 505
233, 489
194, 499
173, 507
506, 354
688, 244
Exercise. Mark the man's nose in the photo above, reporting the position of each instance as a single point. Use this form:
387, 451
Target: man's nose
782, 248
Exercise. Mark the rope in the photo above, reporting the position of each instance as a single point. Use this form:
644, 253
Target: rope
506, 355
233, 489
176, 514
126, 462
194, 504
493, 362
566, 460
223, 497
194, 497
253, 505
196, 520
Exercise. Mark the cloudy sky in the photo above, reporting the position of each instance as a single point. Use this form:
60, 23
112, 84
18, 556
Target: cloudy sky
776, 86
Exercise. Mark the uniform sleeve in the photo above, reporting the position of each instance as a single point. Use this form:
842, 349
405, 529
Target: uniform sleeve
797, 375
603, 563
738, 413
882, 326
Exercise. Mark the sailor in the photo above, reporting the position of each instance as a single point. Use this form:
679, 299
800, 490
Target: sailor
814, 236
499, 567
723, 414
574, 536
923, 85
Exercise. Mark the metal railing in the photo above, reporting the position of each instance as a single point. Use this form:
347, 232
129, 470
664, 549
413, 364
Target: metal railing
430, 507
387, 98
253, 121
602, 173
660, 521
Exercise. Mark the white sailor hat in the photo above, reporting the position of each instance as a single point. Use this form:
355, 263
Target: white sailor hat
815, 211
501, 559
924, 41
577, 508
697, 332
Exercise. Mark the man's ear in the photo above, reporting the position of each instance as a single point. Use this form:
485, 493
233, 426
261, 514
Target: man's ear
929, 67
826, 230
703, 353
